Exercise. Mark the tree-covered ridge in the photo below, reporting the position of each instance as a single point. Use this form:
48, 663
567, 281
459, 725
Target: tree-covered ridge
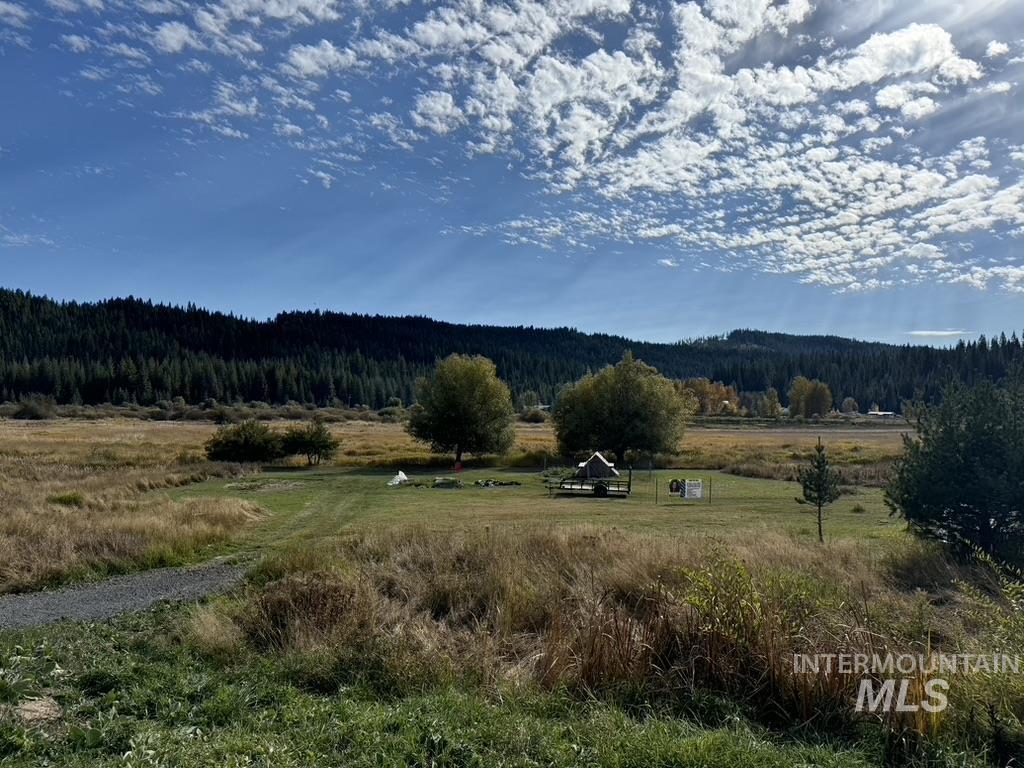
126, 350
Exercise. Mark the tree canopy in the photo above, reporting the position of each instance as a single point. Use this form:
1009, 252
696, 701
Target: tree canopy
959, 479
463, 407
809, 398
628, 406
133, 351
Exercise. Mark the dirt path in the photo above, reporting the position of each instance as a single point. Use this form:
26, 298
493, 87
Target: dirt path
120, 594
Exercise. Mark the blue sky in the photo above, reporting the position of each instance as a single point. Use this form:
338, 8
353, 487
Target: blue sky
659, 170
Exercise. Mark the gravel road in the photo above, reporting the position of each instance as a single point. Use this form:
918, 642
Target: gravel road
119, 594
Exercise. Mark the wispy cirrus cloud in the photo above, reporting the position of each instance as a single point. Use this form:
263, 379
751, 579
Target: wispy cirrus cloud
947, 334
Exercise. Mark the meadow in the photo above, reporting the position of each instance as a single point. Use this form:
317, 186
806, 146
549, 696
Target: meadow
76, 501
483, 625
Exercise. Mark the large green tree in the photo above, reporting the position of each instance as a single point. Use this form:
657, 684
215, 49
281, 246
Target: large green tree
463, 407
809, 397
961, 477
628, 406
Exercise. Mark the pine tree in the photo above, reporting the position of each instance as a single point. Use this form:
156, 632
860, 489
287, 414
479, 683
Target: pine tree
820, 484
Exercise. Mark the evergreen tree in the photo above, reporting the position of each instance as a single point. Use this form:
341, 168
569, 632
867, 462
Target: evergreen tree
820, 484
959, 478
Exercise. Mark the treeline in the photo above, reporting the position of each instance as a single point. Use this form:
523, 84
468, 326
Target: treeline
134, 351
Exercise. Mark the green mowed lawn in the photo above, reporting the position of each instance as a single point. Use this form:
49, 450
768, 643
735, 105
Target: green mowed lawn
311, 504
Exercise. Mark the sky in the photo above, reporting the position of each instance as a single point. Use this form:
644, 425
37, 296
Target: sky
659, 170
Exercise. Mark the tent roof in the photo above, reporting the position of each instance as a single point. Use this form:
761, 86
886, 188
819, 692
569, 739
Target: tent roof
595, 458
597, 455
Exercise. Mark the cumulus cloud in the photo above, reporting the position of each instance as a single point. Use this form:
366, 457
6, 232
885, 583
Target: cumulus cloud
174, 37
996, 49
437, 112
312, 61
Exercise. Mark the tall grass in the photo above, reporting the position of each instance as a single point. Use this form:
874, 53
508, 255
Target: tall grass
75, 502
686, 624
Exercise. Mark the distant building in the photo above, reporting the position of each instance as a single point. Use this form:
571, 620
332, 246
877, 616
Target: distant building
596, 466
882, 414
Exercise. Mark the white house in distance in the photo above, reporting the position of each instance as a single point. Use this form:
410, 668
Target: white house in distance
596, 466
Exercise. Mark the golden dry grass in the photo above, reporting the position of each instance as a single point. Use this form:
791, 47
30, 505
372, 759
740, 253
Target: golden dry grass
864, 453
598, 612
73, 499
72, 492
365, 443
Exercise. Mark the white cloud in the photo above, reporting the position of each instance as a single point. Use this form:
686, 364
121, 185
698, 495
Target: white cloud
325, 179
996, 86
918, 108
996, 49
128, 53
174, 37
13, 14
949, 334
10, 239
288, 130
915, 49
312, 61
77, 43
737, 129
436, 111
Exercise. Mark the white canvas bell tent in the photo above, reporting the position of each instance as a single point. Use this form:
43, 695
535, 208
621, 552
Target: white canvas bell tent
596, 466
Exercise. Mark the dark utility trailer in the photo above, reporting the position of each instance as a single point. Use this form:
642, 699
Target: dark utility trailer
601, 487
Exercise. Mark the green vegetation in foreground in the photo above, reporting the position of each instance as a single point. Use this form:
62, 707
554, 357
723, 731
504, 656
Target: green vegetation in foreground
132, 693
310, 504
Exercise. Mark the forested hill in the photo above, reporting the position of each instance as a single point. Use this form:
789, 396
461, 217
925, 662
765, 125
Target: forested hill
129, 350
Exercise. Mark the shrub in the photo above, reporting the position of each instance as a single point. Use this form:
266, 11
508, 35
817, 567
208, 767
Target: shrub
393, 414
35, 408
314, 441
533, 416
67, 499
250, 441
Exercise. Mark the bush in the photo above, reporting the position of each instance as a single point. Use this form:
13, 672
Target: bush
67, 499
250, 441
393, 414
533, 416
35, 408
314, 441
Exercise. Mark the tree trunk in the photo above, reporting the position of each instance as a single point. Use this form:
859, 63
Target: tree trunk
821, 529
458, 455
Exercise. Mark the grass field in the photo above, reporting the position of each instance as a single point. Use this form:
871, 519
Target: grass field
480, 626
311, 504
